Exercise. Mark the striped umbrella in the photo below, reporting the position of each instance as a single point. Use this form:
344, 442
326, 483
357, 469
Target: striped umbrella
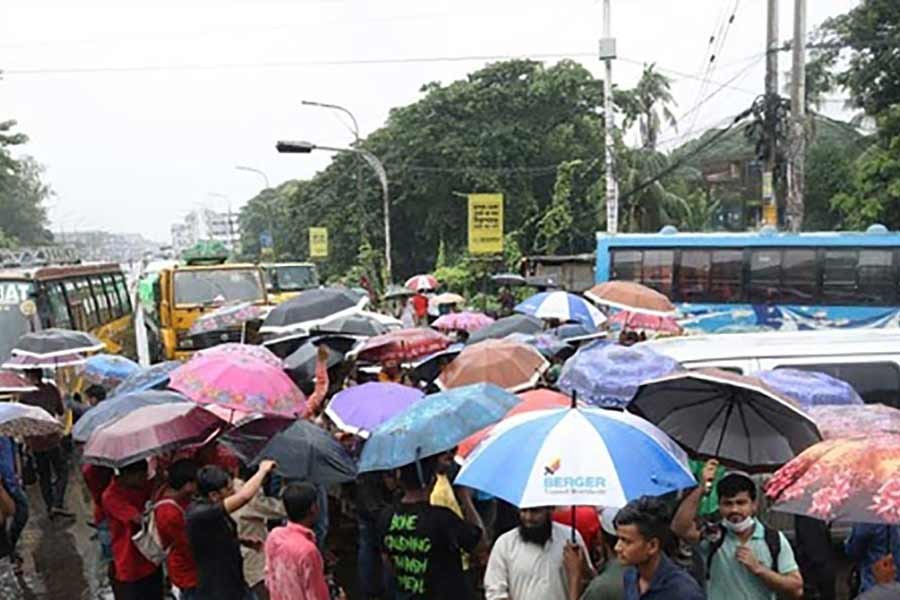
421, 282
561, 306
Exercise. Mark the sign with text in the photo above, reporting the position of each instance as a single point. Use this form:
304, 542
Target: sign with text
485, 223
318, 242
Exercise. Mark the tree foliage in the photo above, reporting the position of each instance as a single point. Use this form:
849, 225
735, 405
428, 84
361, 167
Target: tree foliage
23, 217
648, 104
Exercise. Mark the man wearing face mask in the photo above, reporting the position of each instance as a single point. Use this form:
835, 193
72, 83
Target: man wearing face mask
744, 558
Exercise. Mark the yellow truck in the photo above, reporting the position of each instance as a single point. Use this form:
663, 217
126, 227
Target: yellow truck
287, 279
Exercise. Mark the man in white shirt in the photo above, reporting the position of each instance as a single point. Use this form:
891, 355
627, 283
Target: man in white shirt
527, 562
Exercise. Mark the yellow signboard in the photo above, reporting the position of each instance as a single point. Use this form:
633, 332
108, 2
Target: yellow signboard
318, 242
485, 223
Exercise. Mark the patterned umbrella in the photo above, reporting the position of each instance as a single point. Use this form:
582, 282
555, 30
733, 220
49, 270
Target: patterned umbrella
851, 420
24, 362
402, 345
638, 320
55, 342
561, 306
149, 431
13, 383
421, 282
849, 479
108, 370
117, 407
462, 321
227, 317
147, 379
631, 296
259, 353
510, 365
810, 388
236, 380
21, 420
361, 409
608, 375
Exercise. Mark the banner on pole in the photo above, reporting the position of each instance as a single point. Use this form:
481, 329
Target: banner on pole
485, 223
318, 242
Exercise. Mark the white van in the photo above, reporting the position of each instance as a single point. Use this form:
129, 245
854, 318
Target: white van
867, 359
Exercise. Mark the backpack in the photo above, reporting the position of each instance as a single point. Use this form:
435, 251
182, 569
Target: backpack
773, 543
147, 540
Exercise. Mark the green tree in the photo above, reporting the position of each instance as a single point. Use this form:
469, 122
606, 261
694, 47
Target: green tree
23, 217
648, 105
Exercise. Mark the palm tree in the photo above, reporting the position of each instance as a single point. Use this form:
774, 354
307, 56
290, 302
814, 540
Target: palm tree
648, 105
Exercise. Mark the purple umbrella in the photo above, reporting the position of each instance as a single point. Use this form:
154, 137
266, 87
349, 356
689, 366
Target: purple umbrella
361, 409
810, 388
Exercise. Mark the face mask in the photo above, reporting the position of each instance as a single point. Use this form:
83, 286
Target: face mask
740, 526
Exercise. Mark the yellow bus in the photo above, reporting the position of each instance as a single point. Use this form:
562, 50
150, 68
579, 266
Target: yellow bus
85, 297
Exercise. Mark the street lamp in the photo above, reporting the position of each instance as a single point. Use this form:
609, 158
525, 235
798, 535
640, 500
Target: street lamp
292, 147
267, 204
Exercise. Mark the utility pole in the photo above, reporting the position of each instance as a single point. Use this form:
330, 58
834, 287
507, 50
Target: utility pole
796, 179
770, 198
607, 54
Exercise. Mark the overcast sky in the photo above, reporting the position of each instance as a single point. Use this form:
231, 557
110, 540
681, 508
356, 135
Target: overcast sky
140, 111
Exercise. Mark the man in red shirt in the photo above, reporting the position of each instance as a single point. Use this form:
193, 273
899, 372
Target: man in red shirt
420, 307
134, 577
169, 510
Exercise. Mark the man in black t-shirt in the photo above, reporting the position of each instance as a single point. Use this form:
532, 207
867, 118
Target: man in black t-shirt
421, 543
212, 532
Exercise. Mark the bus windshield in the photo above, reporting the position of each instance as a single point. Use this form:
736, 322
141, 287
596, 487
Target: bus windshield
13, 324
209, 286
292, 278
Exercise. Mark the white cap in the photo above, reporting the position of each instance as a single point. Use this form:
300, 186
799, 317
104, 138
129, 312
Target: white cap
608, 520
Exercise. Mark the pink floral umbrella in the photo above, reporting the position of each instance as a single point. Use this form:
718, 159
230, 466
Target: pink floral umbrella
258, 352
638, 320
852, 420
848, 479
462, 321
237, 381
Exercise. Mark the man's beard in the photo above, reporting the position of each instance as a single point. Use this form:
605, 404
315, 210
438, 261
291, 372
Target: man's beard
537, 534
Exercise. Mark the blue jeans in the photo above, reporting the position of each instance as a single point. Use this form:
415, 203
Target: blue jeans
20, 519
374, 580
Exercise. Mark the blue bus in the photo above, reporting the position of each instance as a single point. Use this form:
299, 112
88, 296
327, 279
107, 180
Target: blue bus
765, 280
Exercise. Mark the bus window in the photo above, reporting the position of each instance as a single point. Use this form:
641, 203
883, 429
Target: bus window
798, 272
88, 305
657, 270
123, 293
693, 275
877, 277
626, 265
839, 277
59, 309
115, 305
726, 275
877, 382
101, 299
765, 275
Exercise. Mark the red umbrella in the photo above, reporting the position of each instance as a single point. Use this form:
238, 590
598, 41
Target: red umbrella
13, 383
532, 400
402, 345
637, 320
422, 282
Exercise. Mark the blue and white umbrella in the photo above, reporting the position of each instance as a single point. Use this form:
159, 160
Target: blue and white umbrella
561, 306
109, 369
576, 456
147, 379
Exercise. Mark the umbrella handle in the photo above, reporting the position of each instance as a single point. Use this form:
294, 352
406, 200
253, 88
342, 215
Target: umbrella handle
574, 540
574, 399
419, 473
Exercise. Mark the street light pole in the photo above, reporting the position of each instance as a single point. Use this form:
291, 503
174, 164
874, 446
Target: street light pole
291, 147
267, 203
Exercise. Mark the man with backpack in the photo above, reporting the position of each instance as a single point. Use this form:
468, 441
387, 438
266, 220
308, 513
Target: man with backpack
169, 510
744, 558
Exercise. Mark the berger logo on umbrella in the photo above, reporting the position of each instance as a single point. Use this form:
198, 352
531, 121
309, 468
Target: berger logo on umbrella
552, 468
568, 484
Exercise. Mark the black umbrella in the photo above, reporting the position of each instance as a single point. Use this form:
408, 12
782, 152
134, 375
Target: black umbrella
397, 291
576, 332
54, 342
358, 324
501, 328
306, 452
543, 282
510, 279
301, 365
252, 434
734, 418
311, 306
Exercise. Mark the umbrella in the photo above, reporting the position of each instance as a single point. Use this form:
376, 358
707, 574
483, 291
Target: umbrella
55, 342
116, 407
576, 456
429, 367
850, 479
360, 324
421, 282
109, 370
436, 424
532, 400
638, 320
734, 418
362, 408
810, 388
446, 298
544, 282
227, 317
503, 327
150, 431
850, 420
306, 452
259, 353
25, 362
631, 296
241, 382
22, 420
509, 365
561, 306
462, 321
510, 279
547, 344
572, 333
250, 435
13, 383
312, 308
301, 365
395, 291
402, 345
608, 375
146, 379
